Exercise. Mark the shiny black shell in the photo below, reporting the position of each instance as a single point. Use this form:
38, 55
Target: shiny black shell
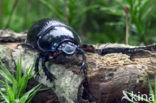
48, 34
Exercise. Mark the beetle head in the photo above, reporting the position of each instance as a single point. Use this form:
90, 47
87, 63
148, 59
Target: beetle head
68, 48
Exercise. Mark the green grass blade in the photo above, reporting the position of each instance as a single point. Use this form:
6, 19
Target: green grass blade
24, 80
29, 71
5, 97
29, 94
18, 72
23, 84
15, 87
2, 82
5, 76
150, 87
9, 93
5, 72
33, 94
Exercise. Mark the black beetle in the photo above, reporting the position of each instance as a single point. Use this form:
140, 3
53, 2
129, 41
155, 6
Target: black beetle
52, 37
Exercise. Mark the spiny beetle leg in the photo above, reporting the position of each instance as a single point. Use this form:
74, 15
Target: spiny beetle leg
83, 66
37, 64
50, 76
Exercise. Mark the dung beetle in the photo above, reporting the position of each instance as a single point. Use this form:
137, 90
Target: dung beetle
52, 37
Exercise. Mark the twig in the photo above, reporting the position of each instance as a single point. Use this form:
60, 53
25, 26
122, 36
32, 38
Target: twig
66, 11
127, 26
150, 53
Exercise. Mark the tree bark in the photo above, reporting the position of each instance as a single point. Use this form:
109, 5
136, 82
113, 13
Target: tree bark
108, 75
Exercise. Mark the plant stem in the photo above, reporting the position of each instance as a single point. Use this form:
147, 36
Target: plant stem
66, 11
127, 30
11, 13
127, 26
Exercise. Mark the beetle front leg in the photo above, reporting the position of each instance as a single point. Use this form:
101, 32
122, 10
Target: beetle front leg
83, 66
37, 63
50, 76
85, 83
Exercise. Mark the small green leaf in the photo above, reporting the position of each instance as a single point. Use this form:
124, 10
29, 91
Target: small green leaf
5, 97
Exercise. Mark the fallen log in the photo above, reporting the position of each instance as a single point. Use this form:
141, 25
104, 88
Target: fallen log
108, 75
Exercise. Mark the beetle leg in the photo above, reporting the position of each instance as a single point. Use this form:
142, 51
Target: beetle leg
37, 63
83, 66
46, 71
26, 45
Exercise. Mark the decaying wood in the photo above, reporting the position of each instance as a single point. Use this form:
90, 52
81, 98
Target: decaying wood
7, 36
108, 75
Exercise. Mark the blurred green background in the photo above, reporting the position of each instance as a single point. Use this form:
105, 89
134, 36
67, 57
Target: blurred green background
96, 21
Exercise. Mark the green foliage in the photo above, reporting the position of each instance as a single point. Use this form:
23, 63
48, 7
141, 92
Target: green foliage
70, 11
14, 86
27, 12
96, 21
140, 13
152, 91
139, 17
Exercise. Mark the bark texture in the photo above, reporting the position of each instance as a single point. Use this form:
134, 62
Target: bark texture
108, 75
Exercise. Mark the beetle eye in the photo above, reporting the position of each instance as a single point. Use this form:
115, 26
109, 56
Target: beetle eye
69, 49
